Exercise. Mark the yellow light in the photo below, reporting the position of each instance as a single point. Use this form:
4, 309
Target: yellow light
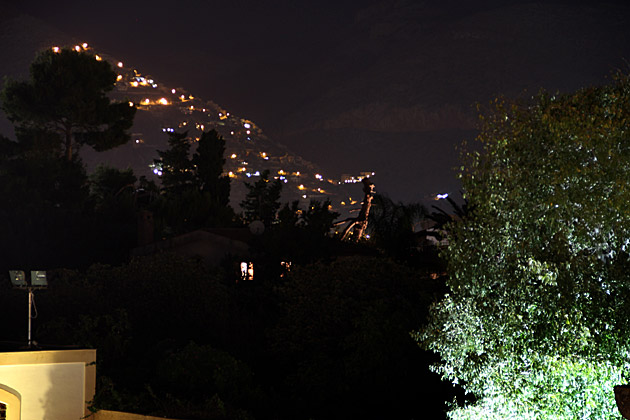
301, 187
192, 107
233, 156
119, 78
182, 97
77, 48
162, 101
146, 101
281, 172
231, 174
55, 49
98, 57
191, 97
84, 45
120, 64
130, 103
134, 83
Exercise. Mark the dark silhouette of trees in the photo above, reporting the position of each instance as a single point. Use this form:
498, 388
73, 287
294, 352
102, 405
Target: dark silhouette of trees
208, 161
342, 343
392, 227
262, 201
195, 191
65, 105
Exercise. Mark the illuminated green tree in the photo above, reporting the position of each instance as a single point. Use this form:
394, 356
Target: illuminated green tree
66, 101
536, 324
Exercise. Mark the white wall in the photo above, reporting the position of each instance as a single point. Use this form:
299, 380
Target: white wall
51, 385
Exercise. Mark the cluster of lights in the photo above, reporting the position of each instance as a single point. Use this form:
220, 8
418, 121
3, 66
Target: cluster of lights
139, 80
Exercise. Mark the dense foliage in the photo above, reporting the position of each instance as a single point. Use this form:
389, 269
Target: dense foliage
262, 201
194, 193
343, 344
536, 324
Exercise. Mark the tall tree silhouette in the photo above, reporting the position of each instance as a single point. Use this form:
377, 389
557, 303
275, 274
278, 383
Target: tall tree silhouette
65, 100
208, 163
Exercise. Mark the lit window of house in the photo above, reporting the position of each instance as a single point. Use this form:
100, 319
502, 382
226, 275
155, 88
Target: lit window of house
247, 271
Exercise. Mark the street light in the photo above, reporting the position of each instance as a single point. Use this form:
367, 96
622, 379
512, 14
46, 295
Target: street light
37, 281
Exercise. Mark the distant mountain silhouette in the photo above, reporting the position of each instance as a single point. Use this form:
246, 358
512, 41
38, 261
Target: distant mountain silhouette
164, 109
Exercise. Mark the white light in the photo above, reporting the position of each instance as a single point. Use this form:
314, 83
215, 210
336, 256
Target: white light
247, 125
441, 196
120, 64
173, 91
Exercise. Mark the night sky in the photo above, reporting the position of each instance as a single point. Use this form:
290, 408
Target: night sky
377, 85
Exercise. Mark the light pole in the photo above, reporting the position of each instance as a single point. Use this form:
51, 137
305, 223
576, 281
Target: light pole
37, 281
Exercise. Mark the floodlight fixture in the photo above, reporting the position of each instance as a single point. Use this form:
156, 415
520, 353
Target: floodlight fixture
18, 279
37, 281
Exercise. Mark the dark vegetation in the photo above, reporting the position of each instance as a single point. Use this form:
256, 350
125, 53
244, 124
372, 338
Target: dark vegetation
327, 338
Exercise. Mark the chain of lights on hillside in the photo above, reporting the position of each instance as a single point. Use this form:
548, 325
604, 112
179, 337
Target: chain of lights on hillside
241, 128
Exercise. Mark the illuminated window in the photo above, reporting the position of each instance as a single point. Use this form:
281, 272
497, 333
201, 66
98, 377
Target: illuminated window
286, 267
247, 271
3, 411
